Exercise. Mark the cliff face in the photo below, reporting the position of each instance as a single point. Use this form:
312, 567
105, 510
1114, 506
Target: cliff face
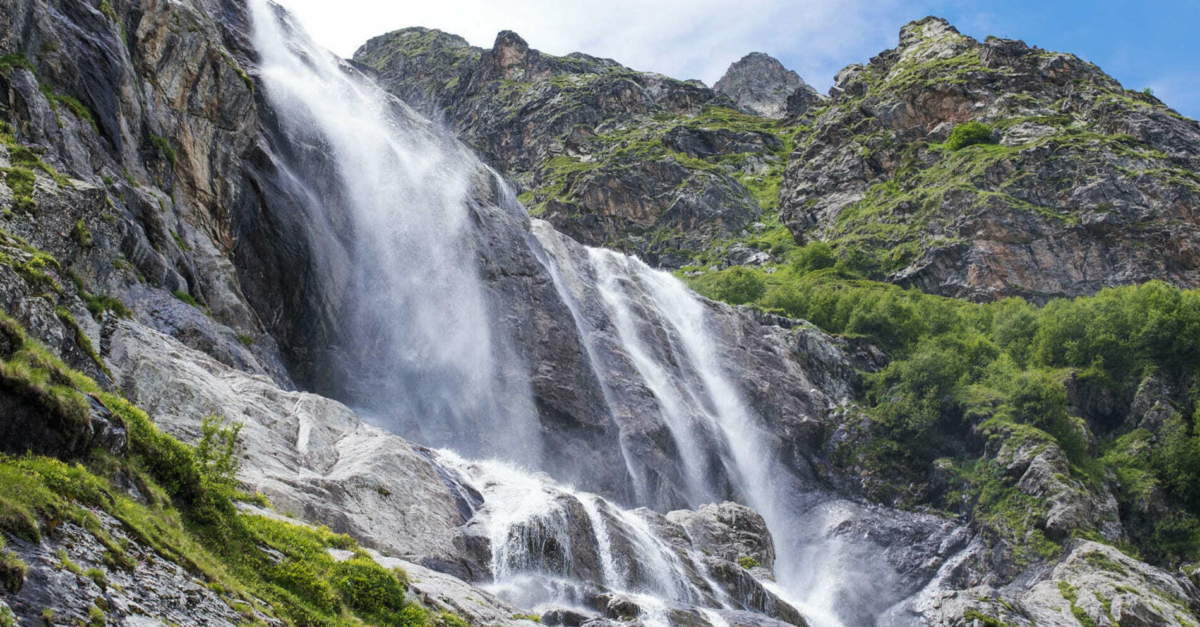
1078, 183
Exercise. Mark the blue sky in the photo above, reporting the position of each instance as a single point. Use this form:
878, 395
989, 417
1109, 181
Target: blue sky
1152, 43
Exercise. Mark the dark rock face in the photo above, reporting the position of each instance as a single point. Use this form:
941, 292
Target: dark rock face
760, 83
594, 146
1090, 185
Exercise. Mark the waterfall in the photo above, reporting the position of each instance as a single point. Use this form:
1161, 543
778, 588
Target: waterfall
393, 197
396, 218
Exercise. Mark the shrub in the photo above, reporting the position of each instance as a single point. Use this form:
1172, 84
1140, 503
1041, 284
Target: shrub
815, 255
366, 587
969, 134
736, 285
747, 562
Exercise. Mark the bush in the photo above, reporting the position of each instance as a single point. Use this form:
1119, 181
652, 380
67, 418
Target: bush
737, 285
747, 562
812, 256
969, 134
366, 587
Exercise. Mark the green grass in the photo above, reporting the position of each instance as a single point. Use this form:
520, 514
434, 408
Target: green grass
188, 517
747, 562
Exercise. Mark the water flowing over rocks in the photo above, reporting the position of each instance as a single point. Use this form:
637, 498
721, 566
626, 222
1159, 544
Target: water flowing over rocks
206, 233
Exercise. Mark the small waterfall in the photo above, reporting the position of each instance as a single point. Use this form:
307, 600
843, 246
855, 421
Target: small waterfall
548, 539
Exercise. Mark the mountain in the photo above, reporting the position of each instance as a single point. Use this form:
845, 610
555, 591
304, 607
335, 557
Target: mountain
632, 160
760, 83
282, 344
1076, 184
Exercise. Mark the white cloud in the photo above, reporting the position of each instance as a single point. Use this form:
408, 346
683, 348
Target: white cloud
680, 38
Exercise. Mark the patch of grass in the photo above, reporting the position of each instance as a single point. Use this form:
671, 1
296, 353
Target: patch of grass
81, 234
164, 147
12, 571
530, 617
246, 340
1103, 562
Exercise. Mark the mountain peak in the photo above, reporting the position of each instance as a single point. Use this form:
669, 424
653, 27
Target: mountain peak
924, 29
760, 83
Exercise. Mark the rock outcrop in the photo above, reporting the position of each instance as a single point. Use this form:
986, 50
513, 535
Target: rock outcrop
1082, 185
759, 82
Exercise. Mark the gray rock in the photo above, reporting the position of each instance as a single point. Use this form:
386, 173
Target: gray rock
760, 83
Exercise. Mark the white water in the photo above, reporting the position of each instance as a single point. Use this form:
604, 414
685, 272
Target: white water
413, 311
528, 519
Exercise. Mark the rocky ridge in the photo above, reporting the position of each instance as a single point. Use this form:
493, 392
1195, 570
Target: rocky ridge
632, 160
1082, 184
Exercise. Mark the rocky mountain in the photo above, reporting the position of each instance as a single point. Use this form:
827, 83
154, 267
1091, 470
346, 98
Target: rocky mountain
760, 83
1076, 183
608, 155
242, 383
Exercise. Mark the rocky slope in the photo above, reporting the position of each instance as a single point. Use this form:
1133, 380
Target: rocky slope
1082, 184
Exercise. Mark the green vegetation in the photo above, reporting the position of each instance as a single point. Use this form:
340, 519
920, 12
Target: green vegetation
187, 298
747, 562
969, 134
188, 517
164, 147
246, 340
107, 10
984, 620
81, 234
1068, 592
12, 570
737, 285
530, 617
963, 373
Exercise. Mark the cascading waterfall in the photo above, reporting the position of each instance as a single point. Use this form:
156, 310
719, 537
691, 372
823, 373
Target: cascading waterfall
420, 345
427, 362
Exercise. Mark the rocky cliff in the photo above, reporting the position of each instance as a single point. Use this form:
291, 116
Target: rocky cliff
632, 160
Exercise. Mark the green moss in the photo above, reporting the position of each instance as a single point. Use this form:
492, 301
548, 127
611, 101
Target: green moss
96, 617
246, 340
81, 234
15, 60
531, 617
